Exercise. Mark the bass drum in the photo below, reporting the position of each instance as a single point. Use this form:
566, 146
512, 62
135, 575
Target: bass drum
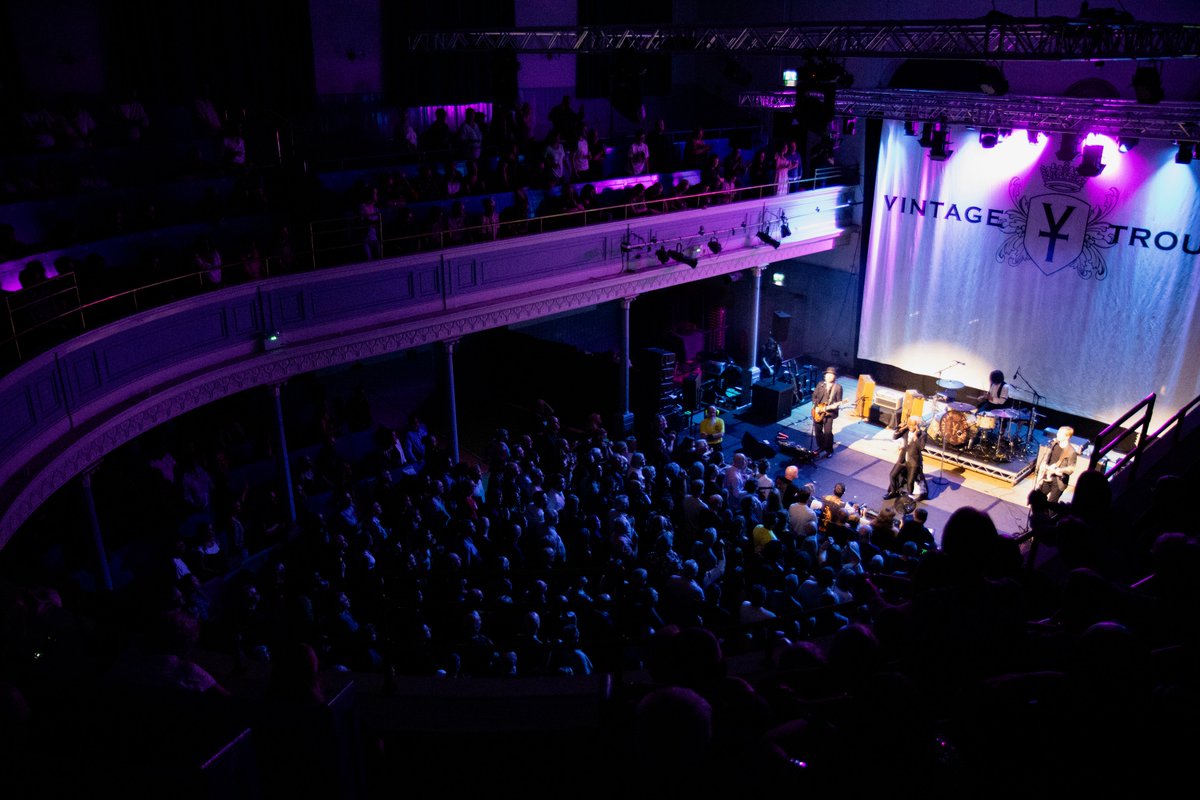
951, 429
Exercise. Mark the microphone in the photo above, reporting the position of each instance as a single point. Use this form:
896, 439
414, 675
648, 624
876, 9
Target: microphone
962, 363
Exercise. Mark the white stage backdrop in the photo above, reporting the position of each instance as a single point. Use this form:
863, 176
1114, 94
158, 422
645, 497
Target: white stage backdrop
1005, 258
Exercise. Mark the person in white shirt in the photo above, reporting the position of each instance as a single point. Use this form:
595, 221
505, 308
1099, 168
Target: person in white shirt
639, 155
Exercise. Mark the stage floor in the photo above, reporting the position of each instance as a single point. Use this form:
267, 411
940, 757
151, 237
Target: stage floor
863, 459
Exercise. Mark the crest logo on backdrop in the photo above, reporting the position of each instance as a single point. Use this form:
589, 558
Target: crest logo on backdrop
1057, 229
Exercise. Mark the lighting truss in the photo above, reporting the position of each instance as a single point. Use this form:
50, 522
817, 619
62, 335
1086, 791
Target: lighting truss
1047, 114
998, 39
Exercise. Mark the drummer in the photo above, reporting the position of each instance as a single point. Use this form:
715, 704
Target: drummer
997, 394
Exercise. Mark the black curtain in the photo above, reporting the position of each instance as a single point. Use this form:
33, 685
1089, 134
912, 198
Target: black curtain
422, 79
251, 54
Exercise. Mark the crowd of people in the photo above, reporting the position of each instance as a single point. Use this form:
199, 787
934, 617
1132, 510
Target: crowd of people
563, 552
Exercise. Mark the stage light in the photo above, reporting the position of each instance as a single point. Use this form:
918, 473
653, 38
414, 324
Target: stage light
939, 151
789, 78
1147, 85
1069, 147
683, 258
1005, 133
767, 238
988, 137
1187, 150
777, 278
714, 245
992, 82
785, 230
849, 125
910, 128
927, 135
1125, 144
662, 254
1090, 166
1032, 136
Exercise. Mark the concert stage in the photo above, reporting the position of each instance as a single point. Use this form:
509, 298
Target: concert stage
1013, 470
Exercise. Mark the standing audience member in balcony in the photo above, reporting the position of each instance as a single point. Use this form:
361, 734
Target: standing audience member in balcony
515, 219
131, 118
406, 136
206, 260
639, 154
233, 149
470, 136
368, 217
596, 155
205, 114
696, 150
456, 222
795, 170
555, 160
564, 121
581, 161
662, 148
253, 263
77, 125
437, 135
489, 221
525, 125
783, 166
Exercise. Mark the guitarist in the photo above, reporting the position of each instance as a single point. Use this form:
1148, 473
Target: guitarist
1055, 471
826, 399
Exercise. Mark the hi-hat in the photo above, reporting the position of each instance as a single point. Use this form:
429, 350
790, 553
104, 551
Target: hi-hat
959, 406
949, 384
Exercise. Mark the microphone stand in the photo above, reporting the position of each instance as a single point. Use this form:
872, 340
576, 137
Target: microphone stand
1033, 413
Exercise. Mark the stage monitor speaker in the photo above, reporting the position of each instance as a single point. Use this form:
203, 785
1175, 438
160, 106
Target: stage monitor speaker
914, 406
865, 396
755, 449
691, 393
771, 402
781, 326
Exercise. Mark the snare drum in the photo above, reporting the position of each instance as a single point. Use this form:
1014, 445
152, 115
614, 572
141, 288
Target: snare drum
985, 421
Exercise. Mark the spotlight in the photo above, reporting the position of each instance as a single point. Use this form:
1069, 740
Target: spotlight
1032, 136
1069, 147
777, 278
766, 237
938, 152
992, 82
1090, 167
662, 254
1125, 144
926, 139
1186, 152
849, 125
1005, 133
714, 245
910, 128
682, 258
789, 78
785, 230
988, 137
1147, 85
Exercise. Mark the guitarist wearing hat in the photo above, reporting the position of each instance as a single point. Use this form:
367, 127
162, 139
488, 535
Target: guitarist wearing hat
827, 397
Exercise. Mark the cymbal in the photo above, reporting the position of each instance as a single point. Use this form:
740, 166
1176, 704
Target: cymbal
960, 406
949, 384
1009, 413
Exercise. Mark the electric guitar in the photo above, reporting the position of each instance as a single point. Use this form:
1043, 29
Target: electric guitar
822, 410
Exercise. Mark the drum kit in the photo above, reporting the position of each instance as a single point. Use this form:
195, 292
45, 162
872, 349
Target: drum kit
994, 435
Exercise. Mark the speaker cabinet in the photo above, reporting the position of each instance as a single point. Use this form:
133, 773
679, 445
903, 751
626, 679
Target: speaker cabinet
691, 393
781, 326
771, 402
914, 406
754, 449
887, 417
865, 396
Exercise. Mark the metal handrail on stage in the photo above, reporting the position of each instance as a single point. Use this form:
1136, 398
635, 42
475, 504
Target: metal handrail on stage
1107, 440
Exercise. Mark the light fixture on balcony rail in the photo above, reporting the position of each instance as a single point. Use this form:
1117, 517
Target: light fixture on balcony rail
714, 245
663, 257
785, 230
768, 239
683, 258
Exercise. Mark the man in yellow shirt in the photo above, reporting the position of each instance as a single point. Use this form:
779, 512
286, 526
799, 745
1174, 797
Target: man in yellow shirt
712, 428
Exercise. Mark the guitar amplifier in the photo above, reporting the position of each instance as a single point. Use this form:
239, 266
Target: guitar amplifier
889, 399
887, 417
865, 396
914, 405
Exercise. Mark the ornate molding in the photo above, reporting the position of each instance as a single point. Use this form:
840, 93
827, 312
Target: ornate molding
44, 472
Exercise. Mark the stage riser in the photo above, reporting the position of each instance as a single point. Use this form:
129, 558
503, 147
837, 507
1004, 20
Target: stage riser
1003, 472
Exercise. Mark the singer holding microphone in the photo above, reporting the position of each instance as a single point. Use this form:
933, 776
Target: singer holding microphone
908, 463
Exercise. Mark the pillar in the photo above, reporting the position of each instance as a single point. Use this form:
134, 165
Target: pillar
755, 303
284, 465
626, 414
450, 345
104, 575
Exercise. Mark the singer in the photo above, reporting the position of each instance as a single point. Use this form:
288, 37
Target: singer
908, 462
